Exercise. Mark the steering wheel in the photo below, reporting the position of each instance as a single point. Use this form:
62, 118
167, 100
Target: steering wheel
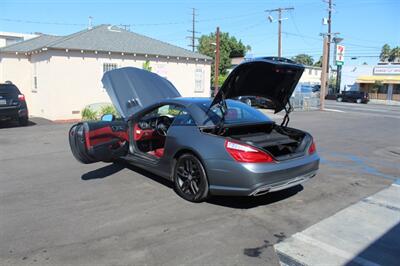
162, 124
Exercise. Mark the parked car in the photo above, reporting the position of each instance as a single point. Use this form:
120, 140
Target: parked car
204, 146
256, 101
353, 96
12, 104
249, 100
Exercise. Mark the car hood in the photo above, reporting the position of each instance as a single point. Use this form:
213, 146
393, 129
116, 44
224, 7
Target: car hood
132, 89
273, 78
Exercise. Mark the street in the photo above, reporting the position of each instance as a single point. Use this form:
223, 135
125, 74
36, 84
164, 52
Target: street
370, 109
55, 210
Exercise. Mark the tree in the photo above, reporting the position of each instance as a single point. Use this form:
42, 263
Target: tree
385, 53
146, 66
304, 59
229, 47
318, 63
394, 54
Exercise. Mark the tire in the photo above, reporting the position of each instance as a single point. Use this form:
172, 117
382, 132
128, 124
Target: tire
359, 101
248, 102
340, 99
190, 178
23, 121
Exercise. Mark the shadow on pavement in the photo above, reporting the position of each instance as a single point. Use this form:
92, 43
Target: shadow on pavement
251, 202
11, 124
225, 201
103, 172
111, 169
383, 251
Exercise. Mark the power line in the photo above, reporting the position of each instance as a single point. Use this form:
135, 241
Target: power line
41, 22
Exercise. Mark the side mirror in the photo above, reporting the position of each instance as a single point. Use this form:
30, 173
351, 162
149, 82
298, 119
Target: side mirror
108, 117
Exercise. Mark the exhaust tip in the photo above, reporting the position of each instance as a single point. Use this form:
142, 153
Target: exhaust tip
261, 191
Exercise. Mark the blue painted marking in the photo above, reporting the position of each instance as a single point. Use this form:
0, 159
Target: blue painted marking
397, 181
355, 161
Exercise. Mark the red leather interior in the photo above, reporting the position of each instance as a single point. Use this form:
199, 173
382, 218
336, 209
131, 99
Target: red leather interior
158, 152
140, 134
148, 134
102, 135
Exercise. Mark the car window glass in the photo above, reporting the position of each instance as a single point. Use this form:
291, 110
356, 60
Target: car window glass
179, 114
183, 119
236, 113
9, 89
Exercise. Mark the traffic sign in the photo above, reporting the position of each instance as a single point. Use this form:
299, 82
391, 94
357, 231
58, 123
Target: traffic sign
340, 54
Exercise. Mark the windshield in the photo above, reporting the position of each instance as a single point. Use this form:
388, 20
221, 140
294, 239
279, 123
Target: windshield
236, 113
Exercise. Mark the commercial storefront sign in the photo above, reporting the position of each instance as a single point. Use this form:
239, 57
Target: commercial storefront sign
340, 55
387, 70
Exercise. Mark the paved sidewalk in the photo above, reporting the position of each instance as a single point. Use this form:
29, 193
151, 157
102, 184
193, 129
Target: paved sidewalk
365, 233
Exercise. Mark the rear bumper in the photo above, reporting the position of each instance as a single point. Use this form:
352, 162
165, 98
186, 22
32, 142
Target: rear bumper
283, 185
252, 179
13, 112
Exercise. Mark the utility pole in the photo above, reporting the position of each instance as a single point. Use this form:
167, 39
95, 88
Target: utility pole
216, 67
329, 30
324, 73
279, 10
193, 31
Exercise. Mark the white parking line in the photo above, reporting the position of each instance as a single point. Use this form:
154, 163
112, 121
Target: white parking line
334, 110
333, 250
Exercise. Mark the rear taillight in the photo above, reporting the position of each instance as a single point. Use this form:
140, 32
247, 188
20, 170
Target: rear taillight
21, 97
312, 148
246, 153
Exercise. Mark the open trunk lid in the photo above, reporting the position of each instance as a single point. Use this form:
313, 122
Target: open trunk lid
132, 89
273, 78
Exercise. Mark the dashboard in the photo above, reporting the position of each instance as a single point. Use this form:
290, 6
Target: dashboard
149, 123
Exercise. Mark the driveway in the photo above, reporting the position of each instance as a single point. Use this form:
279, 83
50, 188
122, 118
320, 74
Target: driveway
55, 210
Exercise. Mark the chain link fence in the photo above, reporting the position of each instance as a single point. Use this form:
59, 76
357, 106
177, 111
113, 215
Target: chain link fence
305, 101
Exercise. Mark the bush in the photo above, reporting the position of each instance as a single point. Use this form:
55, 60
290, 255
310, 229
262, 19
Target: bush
88, 114
108, 109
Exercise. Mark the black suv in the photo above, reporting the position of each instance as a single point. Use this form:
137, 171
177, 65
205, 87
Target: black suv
12, 104
353, 96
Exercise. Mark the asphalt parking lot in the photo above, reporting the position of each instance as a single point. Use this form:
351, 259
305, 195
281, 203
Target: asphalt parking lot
54, 210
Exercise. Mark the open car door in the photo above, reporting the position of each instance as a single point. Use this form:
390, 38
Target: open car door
99, 141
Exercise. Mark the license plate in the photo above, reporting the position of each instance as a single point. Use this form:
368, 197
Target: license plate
3, 102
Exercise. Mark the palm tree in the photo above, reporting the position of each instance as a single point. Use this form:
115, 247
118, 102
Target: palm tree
385, 53
394, 54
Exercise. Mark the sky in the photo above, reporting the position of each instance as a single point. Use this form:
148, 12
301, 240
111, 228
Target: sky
365, 25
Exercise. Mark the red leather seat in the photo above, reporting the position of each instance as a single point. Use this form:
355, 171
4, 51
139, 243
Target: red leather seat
158, 152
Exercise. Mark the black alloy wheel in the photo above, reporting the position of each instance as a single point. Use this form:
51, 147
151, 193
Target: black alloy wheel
190, 178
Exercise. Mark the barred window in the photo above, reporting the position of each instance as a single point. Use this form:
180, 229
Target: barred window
199, 80
109, 66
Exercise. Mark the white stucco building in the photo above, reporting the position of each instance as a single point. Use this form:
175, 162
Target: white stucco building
311, 76
60, 75
9, 38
